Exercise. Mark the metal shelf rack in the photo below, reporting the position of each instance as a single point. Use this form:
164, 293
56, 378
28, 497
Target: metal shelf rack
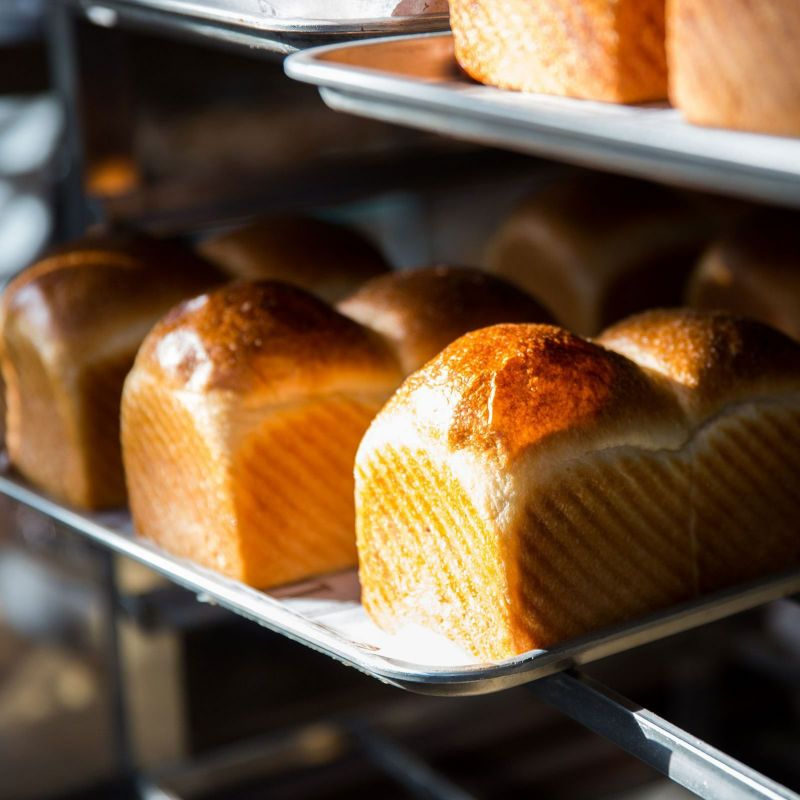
440, 100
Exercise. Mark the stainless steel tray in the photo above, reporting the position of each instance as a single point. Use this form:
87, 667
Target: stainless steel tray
326, 614
279, 25
415, 81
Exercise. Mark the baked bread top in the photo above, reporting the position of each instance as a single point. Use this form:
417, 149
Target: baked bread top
264, 340
100, 294
713, 358
502, 391
421, 311
324, 258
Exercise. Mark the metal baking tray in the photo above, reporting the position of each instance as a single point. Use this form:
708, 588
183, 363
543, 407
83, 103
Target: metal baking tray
278, 25
415, 81
326, 614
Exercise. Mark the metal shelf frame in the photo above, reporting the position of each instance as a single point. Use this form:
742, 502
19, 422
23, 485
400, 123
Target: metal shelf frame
414, 81
685, 759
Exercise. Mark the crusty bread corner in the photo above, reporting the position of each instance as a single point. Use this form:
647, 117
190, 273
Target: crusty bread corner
735, 63
420, 311
500, 391
592, 49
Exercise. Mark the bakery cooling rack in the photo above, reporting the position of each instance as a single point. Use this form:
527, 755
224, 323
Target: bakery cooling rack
415, 81
326, 615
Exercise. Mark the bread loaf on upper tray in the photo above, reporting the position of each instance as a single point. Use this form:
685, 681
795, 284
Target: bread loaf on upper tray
528, 486
420, 311
70, 328
754, 270
328, 260
609, 50
240, 423
596, 248
735, 63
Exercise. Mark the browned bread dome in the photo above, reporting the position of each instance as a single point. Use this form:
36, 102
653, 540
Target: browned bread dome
420, 311
326, 259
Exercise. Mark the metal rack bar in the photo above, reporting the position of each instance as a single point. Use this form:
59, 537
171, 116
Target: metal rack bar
404, 767
683, 758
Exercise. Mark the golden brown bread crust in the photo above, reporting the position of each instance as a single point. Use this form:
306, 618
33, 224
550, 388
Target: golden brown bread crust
421, 311
754, 270
527, 486
511, 388
240, 422
714, 358
592, 49
266, 339
595, 248
70, 327
718, 47
326, 259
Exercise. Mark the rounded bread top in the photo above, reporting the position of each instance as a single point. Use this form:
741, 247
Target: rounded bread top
713, 358
754, 270
326, 259
85, 293
513, 389
265, 339
421, 311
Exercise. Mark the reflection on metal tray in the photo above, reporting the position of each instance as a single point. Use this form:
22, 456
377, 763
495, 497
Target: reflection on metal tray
326, 614
415, 81
279, 25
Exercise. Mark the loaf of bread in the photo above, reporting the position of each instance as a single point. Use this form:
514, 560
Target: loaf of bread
420, 311
735, 63
70, 327
240, 423
610, 50
326, 259
595, 248
528, 486
754, 270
